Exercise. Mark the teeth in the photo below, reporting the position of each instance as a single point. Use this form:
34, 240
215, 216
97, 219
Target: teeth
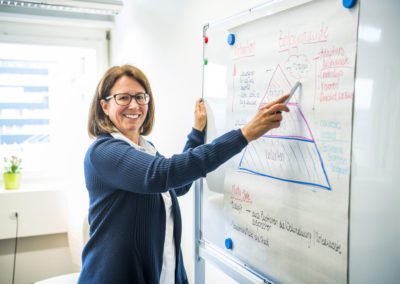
132, 115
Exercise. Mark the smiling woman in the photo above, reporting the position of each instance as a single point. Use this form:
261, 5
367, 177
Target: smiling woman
134, 215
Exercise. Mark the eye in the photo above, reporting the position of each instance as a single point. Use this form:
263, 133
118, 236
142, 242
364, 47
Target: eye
123, 97
140, 97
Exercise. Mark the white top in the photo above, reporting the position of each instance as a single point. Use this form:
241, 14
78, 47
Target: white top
168, 267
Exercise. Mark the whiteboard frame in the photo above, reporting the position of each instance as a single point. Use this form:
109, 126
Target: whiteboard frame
373, 256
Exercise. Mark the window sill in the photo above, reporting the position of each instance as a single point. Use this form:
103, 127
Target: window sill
28, 189
29, 183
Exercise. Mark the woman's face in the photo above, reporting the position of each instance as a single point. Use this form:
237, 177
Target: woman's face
127, 119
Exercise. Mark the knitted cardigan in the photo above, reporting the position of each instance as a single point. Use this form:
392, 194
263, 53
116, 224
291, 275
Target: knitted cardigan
127, 212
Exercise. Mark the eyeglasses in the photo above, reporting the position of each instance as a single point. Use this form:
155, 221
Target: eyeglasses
125, 99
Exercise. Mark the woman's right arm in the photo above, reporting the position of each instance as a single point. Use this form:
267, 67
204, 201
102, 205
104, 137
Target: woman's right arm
121, 166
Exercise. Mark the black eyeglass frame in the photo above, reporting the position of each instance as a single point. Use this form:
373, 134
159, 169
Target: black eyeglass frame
146, 96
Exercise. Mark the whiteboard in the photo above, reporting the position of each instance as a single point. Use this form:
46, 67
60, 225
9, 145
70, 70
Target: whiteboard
283, 202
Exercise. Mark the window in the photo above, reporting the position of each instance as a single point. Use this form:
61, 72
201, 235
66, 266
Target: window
45, 92
24, 100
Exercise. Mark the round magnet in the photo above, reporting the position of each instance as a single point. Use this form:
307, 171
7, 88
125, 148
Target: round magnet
228, 243
231, 39
349, 3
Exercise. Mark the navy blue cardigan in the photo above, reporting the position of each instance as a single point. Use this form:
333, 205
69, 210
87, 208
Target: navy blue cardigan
127, 211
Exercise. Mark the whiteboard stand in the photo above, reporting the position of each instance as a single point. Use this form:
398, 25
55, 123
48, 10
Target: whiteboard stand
199, 264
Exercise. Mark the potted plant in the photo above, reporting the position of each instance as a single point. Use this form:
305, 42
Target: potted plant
12, 172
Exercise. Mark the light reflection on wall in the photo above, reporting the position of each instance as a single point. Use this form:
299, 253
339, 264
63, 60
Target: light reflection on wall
369, 34
215, 81
363, 92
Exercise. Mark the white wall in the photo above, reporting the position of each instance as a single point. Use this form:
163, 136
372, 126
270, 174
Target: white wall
374, 251
164, 39
38, 258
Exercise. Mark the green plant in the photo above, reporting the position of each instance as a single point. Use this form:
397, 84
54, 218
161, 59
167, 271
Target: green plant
12, 165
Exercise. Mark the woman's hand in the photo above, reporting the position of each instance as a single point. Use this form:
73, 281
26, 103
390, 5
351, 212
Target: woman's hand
200, 115
267, 118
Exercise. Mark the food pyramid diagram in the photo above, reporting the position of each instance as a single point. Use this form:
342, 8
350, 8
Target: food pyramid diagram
288, 153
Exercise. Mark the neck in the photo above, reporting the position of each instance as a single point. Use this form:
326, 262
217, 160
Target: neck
134, 137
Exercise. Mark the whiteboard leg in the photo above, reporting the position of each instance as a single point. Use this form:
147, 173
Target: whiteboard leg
199, 264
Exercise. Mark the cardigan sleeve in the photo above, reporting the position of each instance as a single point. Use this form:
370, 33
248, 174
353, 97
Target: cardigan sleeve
121, 166
195, 138
182, 190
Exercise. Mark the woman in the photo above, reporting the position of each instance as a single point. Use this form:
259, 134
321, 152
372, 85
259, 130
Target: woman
134, 216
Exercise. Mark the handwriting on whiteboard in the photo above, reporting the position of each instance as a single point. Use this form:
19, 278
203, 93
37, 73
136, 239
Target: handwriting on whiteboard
262, 224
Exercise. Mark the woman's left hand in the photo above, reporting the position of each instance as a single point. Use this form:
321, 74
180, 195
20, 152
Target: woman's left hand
200, 115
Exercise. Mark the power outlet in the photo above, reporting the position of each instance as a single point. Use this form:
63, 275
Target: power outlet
13, 215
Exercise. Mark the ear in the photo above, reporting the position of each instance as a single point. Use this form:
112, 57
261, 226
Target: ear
104, 106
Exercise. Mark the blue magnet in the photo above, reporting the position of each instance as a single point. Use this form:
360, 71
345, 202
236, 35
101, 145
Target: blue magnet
228, 243
231, 39
349, 3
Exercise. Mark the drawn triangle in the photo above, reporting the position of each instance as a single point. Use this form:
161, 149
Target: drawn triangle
288, 153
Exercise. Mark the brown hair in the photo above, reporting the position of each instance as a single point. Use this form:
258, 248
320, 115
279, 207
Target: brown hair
98, 122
